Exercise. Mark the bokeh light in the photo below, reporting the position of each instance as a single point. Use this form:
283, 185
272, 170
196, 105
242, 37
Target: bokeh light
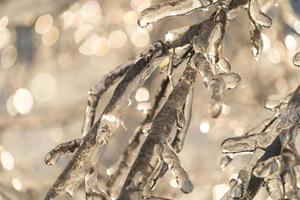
90, 9
51, 37
142, 94
7, 160
204, 127
23, 101
43, 24
117, 39
5, 36
43, 87
9, 56
140, 38
16, 183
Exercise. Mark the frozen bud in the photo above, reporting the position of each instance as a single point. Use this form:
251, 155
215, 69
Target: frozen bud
296, 59
257, 16
223, 65
231, 80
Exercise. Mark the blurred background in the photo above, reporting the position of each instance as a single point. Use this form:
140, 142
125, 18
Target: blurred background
52, 52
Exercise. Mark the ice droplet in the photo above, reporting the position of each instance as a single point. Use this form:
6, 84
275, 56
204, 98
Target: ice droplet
225, 161
296, 59
271, 104
146, 128
231, 80
215, 108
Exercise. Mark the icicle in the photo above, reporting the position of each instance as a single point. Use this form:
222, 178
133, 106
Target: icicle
239, 145
216, 36
168, 9
257, 16
216, 89
177, 170
226, 159
256, 40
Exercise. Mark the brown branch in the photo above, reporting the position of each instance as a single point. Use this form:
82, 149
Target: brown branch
110, 120
160, 131
127, 155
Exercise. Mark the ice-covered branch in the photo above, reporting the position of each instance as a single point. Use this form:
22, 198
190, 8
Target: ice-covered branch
160, 131
125, 159
274, 158
204, 42
110, 120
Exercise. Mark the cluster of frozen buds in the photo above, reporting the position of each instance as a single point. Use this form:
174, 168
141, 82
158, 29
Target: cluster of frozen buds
275, 161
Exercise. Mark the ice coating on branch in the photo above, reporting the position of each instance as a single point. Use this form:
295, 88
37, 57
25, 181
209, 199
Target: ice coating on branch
275, 187
234, 7
223, 65
271, 166
92, 189
168, 9
296, 59
257, 15
275, 156
88, 152
183, 123
112, 117
210, 37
